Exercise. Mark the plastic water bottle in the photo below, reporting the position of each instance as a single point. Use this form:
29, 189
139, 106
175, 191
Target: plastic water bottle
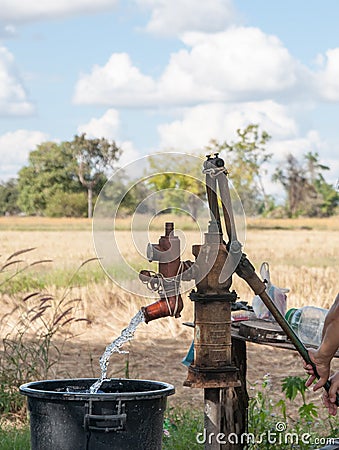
307, 323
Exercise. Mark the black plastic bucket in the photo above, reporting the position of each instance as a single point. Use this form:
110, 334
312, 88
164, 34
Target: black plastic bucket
123, 415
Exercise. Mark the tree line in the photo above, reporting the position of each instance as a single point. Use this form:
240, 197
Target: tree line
64, 179
61, 179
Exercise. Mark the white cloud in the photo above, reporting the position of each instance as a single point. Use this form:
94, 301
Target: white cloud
14, 11
235, 65
202, 123
7, 31
14, 150
173, 17
108, 126
13, 97
328, 77
117, 83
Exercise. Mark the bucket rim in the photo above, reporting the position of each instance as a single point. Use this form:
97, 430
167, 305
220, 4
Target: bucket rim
31, 390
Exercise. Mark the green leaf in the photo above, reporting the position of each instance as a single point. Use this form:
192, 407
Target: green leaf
291, 385
282, 405
308, 411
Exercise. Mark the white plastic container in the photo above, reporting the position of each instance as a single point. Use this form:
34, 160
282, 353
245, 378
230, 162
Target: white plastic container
308, 323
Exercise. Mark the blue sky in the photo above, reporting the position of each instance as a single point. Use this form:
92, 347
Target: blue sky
166, 74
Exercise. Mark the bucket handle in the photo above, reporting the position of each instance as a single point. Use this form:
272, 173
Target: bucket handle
104, 422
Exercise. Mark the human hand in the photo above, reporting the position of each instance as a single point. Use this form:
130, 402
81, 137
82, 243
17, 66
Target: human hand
329, 398
322, 366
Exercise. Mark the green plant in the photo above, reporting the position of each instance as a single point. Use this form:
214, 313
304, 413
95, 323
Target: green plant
181, 427
334, 426
261, 411
66, 204
272, 427
14, 438
293, 385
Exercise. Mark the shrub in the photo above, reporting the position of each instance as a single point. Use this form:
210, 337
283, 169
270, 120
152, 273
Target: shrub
66, 204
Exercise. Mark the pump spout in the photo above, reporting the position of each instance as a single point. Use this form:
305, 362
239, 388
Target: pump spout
170, 306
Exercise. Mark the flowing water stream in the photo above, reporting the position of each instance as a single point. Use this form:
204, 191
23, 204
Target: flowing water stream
125, 336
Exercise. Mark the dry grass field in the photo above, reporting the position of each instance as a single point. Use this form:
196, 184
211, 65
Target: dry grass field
303, 256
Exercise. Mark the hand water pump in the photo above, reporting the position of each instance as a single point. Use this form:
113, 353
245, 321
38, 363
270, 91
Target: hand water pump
215, 263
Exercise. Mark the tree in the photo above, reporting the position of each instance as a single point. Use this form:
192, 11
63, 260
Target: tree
93, 157
67, 204
51, 168
307, 191
124, 196
294, 180
330, 197
9, 197
314, 168
179, 181
245, 161
327, 195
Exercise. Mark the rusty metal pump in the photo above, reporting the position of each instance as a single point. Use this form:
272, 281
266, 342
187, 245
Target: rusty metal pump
215, 263
167, 280
212, 272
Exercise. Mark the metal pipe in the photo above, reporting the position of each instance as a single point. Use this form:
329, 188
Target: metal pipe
227, 207
212, 338
211, 190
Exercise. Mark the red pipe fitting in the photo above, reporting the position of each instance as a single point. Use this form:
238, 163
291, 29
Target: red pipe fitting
167, 282
172, 306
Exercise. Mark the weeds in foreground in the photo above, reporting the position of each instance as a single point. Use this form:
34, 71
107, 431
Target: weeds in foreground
270, 424
181, 428
14, 267
29, 349
14, 438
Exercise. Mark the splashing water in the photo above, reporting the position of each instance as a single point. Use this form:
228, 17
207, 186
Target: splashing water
125, 336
